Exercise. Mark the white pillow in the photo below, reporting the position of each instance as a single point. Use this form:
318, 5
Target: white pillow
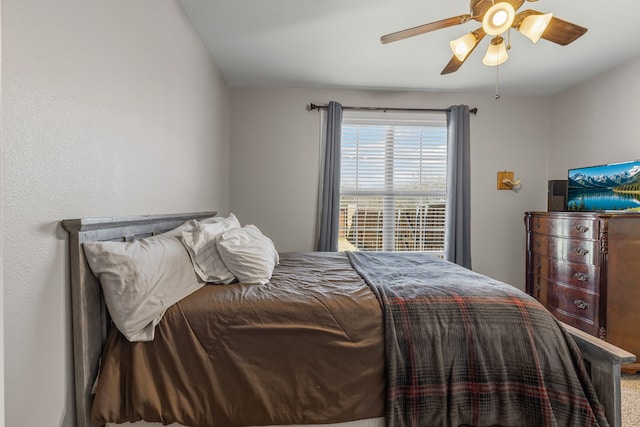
201, 245
250, 255
141, 279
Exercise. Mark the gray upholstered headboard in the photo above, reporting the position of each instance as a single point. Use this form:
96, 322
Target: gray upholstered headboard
89, 314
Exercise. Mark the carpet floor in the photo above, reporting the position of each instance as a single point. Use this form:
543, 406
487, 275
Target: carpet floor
630, 400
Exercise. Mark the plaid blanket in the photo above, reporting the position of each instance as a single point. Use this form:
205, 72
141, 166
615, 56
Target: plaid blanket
465, 350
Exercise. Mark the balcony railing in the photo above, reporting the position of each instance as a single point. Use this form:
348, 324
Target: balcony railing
414, 229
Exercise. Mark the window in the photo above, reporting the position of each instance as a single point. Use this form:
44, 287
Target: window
393, 181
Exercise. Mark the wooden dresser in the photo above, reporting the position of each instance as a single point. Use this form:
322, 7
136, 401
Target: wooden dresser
585, 268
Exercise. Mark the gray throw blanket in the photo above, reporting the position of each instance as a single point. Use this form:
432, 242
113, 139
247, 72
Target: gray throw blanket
463, 349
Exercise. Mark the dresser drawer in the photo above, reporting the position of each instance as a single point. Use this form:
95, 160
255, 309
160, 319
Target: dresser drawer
539, 244
540, 289
577, 250
539, 265
573, 302
565, 227
587, 326
583, 276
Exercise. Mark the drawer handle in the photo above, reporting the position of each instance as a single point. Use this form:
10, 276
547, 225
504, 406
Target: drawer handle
537, 244
582, 228
581, 251
581, 277
581, 304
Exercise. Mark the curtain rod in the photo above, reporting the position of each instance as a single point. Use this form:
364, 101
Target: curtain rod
313, 106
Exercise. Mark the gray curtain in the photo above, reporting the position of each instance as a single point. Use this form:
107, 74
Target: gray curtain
330, 182
458, 219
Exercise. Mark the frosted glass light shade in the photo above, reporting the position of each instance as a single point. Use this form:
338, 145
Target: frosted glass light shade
496, 53
534, 25
463, 46
498, 18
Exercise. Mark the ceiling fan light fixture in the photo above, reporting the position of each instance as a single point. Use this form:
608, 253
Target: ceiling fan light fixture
463, 46
534, 25
498, 18
496, 53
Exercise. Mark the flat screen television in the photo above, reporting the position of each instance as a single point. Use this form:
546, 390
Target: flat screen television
610, 187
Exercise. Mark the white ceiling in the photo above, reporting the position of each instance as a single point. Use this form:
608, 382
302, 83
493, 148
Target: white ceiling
336, 44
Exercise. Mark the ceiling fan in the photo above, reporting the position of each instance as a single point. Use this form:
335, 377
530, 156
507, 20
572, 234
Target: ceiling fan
496, 16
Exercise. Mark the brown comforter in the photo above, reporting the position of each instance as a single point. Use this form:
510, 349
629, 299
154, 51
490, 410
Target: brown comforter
305, 348
461, 349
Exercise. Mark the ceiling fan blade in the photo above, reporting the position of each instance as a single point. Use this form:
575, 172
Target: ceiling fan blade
562, 32
454, 64
421, 29
558, 31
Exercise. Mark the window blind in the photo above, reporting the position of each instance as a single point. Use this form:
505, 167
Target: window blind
393, 181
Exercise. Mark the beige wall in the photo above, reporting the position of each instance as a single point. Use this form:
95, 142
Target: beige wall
596, 122
275, 157
108, 108
2, 423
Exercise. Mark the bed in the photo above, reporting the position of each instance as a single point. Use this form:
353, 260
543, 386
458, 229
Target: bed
374, 381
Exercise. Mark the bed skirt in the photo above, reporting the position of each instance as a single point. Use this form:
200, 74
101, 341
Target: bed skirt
370, 422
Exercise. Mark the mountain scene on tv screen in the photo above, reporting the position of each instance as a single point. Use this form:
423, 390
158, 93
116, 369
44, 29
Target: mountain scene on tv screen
606, 187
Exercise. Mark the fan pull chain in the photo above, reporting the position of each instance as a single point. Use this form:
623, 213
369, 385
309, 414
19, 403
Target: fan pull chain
497, 95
